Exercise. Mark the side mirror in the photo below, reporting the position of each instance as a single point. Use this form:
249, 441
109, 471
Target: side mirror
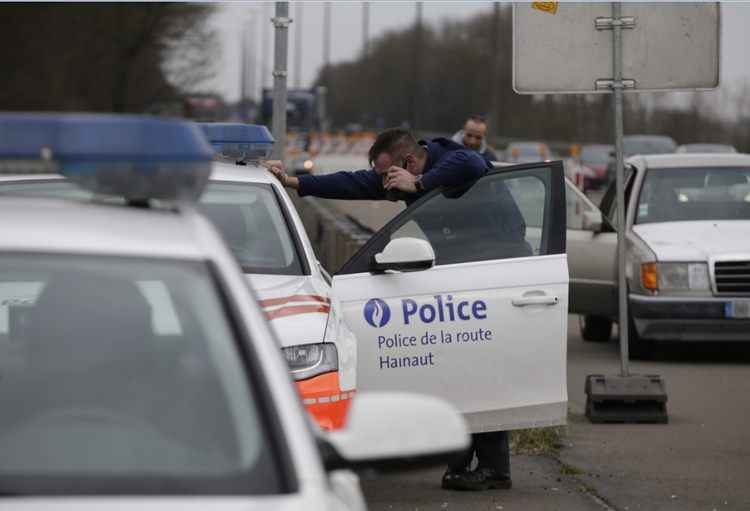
404, 254
395, 430
592, 221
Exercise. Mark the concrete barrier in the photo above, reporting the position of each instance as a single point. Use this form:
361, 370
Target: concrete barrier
334, 236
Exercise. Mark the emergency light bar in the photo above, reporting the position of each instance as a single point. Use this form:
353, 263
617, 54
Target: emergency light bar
134, 157
238, 143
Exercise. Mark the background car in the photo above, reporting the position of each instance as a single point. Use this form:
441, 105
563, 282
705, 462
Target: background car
301, 164
641, 144
524, 152
595, 157
688, 252
706, 148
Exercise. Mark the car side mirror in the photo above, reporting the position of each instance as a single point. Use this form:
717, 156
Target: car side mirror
389, 431
592, 221
404, 254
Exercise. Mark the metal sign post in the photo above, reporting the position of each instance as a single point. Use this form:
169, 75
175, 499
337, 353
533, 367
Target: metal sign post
281, 23
617, 89
565, 48
627, 398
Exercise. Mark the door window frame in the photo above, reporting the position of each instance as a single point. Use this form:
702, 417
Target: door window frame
554, 226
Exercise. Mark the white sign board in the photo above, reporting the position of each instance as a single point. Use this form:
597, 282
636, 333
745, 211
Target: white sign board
560, 50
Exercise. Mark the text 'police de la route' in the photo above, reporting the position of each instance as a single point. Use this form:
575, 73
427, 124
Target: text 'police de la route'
442, 310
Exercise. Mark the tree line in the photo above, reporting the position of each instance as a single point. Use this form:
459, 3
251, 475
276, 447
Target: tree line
431, 77
114, 57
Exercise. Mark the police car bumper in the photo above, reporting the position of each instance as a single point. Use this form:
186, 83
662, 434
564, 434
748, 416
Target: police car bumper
324, 399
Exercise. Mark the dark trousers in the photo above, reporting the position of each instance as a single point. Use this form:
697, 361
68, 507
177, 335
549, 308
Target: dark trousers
492, 450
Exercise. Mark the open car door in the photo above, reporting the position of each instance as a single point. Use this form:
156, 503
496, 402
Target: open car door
464, 295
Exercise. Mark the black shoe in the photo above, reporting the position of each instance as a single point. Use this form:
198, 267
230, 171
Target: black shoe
477, 480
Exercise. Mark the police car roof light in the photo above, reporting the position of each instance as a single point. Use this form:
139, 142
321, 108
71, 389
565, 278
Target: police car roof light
238, 142
135, 157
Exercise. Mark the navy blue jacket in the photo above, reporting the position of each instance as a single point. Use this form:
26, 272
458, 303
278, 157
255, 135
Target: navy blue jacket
448, 164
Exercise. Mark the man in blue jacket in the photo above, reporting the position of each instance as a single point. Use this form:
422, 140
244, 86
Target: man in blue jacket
402, 169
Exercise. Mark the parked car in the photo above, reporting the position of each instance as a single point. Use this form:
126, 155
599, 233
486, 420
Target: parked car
595, 157
688, 252
641, 144
706, 148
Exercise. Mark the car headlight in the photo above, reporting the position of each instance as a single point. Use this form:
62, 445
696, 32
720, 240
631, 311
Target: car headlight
308, 360
675, 276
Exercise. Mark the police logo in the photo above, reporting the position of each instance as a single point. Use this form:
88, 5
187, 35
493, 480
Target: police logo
377, 313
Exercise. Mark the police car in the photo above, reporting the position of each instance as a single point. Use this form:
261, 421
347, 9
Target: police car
267, 238
262, 227
134, 359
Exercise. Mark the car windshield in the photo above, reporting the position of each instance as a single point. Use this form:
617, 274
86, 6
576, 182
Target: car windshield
596, 154
648, 145
250, 218
681, 194
122, 375
248, 215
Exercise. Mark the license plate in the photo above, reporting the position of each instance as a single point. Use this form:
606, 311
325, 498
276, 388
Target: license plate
737, 309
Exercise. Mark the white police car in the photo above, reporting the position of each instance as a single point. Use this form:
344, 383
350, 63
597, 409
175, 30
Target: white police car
134, 360
263, 231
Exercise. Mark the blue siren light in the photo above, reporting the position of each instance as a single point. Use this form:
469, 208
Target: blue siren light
134, 157
238, 142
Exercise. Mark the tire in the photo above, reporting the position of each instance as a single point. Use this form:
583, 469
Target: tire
638, 347
595, 328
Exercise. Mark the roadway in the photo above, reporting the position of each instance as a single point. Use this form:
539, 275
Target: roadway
699, 461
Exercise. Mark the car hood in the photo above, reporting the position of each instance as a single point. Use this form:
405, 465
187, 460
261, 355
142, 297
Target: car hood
696, 241
296, 306
255, 503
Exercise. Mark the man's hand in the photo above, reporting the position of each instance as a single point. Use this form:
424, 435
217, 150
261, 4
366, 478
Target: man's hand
276, 167
400, 179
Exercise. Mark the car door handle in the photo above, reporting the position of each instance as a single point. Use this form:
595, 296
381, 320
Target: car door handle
525, 301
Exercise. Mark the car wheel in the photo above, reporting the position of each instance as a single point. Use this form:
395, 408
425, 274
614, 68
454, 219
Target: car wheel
595, 328
638, 347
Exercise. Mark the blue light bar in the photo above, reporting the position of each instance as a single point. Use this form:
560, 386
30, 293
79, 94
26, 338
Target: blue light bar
134, 157
238, 142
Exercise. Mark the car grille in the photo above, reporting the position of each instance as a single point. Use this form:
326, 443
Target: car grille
732, 277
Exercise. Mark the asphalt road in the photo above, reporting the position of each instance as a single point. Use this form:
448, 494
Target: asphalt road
700, 460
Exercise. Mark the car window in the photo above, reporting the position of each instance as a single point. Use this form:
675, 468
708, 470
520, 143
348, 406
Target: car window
249, 216
500, 220
118, 371
683, 194
506, 214
609, 201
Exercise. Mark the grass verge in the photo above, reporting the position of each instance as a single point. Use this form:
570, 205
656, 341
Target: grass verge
537, 440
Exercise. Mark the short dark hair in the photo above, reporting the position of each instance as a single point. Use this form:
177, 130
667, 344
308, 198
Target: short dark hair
393, 141
477, 118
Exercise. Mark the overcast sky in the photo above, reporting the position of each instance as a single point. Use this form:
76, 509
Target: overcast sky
347, 36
